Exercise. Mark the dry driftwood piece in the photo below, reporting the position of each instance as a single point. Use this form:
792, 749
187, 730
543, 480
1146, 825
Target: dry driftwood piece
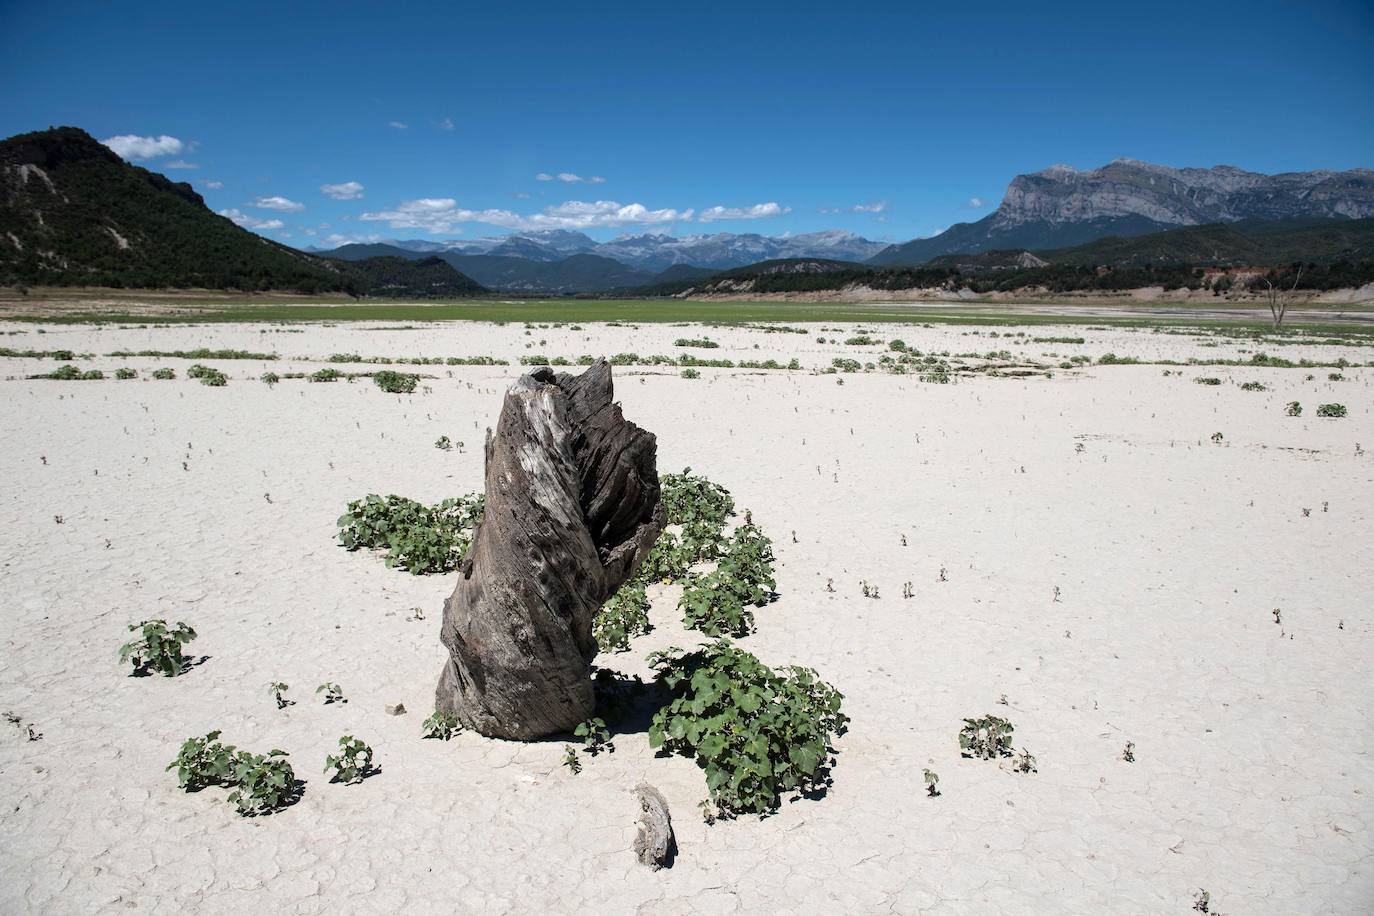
654, 842
572, 506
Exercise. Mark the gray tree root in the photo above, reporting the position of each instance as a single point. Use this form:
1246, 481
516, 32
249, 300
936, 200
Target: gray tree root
572, 507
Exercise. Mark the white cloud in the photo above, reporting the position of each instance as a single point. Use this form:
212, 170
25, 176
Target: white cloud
349, 190
573, 178
442, 214
520, 195
445, 124
543, 176
976, 203
213, 185
877, 207
132, 146
179, 164
399, 125
757, 211
277, 203
248, 221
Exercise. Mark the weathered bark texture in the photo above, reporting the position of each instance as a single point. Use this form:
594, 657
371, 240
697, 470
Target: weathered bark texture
572, 507
654, 842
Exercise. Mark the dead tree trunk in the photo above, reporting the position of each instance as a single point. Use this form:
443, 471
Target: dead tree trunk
572, 506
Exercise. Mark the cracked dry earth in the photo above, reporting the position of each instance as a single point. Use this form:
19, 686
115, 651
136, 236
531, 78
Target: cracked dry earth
1252, 772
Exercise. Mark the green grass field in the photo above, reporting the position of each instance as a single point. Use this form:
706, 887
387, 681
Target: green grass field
1354, 321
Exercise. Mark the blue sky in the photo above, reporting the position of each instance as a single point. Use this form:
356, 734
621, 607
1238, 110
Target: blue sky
314, 121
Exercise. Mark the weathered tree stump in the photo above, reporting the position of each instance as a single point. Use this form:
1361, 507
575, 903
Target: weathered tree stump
654, 842
572, 507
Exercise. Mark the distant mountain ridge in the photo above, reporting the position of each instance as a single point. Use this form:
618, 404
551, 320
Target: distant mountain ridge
1062, 206
655, 252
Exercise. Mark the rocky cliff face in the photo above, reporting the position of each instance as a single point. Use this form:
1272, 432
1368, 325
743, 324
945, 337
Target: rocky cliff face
1181, 197
1062, 206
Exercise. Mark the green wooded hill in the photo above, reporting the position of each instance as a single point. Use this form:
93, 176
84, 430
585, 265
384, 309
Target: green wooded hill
72, 213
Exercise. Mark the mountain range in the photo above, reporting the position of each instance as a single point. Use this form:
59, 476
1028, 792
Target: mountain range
72, 212
1062, 206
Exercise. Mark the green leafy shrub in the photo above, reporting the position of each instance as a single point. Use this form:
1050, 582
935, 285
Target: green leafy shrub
704, 343
207, 375
395, 382
897, 345
690, 373
1331, 410
164, 374
846, 365
263, 782
1335, 377
717, 603
277, 690
861, 340
932, 783
1205, 380
353, 763
419, 538
325, 375
1294, 409
204, 762
441, 725
570, 759
756, 732
157, 647
443, 443
70, 373
1253, 386
270, 378
624, 616
986, 738
124, 373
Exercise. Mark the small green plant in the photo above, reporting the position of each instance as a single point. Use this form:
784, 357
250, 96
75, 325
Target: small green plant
986, 738
332, 693
164, 374
1294, 409
441, 725
157, 648
932, 783
1217, 437
395, 382
277, 690
701, 342
1024, 762
263, 782
570, 759
1205, 380
270, 378
353, 763
70, 373
443, 443
623, 617
595, 736
124, 373
1128, 754
1331, 410
204, 762
1253, 386
690, 373
756, 732
1335, 377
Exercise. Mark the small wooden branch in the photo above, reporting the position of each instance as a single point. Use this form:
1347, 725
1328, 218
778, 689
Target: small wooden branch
654, 844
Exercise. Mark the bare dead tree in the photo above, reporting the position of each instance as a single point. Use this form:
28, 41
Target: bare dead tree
1279, 300
572, 507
